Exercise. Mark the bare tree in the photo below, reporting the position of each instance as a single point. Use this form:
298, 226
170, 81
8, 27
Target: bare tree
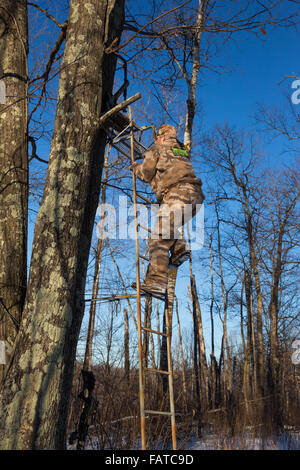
98, 257
13, 169
38, 380
227, 150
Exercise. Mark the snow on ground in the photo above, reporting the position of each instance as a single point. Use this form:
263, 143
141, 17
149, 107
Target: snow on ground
286, 441
289, 441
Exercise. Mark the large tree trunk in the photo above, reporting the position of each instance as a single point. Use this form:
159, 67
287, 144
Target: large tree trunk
36, 393
13, 169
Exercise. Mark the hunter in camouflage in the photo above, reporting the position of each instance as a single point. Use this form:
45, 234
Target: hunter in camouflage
167, 167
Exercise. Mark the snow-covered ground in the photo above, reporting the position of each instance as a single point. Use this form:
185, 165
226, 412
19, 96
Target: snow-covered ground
213, 442
290, 440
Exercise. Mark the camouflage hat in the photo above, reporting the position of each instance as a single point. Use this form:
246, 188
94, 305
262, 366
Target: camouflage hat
168, 130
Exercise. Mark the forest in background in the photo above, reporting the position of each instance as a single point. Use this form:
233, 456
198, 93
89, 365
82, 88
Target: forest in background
245, 275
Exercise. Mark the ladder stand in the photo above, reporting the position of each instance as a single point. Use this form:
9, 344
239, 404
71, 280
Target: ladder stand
122, 132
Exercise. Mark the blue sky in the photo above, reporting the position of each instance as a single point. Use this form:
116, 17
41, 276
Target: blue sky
260, 63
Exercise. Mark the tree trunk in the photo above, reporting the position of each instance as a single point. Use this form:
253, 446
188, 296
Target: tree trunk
273, 311
214, 371
184, 386
202, 350
87, 365
172, 274
227, 369
246, 348
259, 303
13, 169
36, 394
195, 361
192, 81
147, 324
126, 347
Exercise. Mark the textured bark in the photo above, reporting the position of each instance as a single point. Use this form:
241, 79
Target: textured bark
36, 394
13, 169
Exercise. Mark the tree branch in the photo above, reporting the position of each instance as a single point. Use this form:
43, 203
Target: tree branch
43, 10
33, 154
110, 48
49, 64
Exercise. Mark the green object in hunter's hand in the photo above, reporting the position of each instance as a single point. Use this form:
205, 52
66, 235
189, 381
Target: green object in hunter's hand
180, 152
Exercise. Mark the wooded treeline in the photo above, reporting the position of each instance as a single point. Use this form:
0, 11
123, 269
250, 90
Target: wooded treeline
59, 78
248, 270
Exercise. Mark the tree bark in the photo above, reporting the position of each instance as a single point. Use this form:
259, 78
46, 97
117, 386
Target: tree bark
13, 169
36, 393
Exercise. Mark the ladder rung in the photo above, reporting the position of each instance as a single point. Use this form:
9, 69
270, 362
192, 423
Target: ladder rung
154, 331
158, 371
145, 228
153, 412
144, 257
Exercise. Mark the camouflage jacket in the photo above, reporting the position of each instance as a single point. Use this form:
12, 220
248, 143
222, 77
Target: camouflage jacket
166, 165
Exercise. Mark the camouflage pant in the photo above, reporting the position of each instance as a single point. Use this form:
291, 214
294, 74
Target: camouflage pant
167, 234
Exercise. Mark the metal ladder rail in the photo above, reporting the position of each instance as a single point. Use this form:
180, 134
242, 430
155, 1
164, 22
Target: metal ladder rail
142, 371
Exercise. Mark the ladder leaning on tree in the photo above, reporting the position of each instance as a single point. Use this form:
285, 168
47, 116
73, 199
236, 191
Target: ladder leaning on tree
121, 132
